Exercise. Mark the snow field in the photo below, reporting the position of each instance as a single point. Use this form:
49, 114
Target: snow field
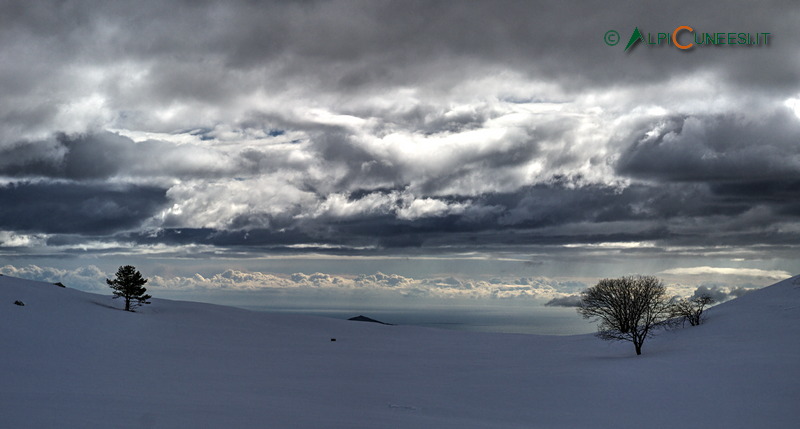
75, 360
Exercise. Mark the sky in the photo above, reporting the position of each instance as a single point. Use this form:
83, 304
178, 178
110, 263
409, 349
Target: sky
333, 152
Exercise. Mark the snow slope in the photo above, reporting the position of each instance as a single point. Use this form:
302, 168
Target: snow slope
71, 359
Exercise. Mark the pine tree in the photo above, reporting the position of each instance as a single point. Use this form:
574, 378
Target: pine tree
129, 284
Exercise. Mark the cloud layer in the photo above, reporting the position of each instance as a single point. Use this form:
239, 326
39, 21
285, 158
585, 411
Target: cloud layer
361, 128
233, 282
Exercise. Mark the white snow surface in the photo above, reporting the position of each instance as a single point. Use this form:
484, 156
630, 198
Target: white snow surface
72, 359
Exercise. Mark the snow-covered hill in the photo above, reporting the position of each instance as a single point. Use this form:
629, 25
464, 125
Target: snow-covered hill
71, 359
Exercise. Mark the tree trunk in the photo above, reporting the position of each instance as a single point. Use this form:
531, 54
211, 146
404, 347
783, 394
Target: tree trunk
127, 304
638, 348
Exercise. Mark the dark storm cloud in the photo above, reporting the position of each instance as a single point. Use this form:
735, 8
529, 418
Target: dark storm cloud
544, 215
77, 208
25, 159
103, 155
783, 196
210, 52
255, 237
400, 42
96, 156
555, 214
718, 148
151, 55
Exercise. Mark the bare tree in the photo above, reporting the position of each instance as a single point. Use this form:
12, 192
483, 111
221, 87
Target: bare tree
692, 309
628, 308
129, 284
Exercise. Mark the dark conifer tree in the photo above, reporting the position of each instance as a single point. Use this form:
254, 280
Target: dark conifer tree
129, 284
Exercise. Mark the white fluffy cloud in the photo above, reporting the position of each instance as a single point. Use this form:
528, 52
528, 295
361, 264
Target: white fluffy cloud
445, 287
91, 278
88, 278
13, 239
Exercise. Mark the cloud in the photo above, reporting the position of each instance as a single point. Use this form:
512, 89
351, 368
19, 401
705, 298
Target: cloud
269, 201
12, 239
721, 294
226, 280
89, 278
240, 286
415, 127
387, 280
42, 207
106, 155
747, 272
164, 69
565, 301
716, 148
718, 293
391, 285
429, 207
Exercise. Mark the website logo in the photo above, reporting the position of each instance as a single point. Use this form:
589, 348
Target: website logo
685, 37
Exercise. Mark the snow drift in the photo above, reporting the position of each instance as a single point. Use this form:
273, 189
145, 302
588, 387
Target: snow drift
74, 360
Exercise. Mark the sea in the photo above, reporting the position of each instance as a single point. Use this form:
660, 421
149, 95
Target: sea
539, 320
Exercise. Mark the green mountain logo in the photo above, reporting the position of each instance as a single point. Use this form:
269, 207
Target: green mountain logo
635, 37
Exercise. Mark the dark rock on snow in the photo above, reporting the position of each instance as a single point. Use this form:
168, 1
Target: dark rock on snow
367, 319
